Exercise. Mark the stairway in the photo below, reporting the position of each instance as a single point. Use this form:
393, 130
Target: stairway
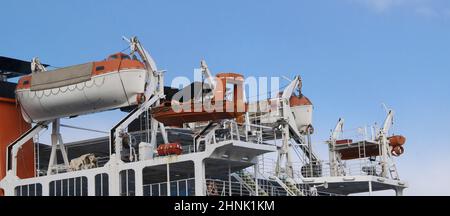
293, 187
288, 185
249, 183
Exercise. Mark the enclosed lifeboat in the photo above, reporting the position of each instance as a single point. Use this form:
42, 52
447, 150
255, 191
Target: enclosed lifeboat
118, 81
175, 113
301, 107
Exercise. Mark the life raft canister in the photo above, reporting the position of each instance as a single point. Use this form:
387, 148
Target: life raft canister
169, 149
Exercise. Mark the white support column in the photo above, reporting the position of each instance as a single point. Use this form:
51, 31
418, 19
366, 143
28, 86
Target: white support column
113, 176
399, 191
256, 178
52, 159
229, 179
154, 131
91, 185
370, 188
139, 187
56, 139
63, 150
163, 132
199, 174
9, 191
384, 157
168, 179
45, 188
284, 161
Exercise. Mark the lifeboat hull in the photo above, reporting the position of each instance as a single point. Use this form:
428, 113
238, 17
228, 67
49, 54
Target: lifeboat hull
187, 114
302, 116
102, 92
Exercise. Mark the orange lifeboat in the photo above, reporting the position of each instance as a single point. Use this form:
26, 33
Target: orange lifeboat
397, 140
196, 111
116, 82
169, 149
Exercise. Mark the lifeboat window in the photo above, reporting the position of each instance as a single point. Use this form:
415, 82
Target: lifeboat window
125, 57
29, 190
101, 185
26, 82
100, 68
111, 57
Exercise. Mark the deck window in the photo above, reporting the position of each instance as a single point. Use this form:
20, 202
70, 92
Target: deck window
101, 185
28, 190
127, 183
69, 187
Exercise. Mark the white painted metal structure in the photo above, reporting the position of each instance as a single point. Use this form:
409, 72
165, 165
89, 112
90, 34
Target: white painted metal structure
223, 158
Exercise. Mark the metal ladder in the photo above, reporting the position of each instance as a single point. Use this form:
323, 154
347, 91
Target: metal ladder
289, 190
293, 187
249, 183
362, 150
393, 172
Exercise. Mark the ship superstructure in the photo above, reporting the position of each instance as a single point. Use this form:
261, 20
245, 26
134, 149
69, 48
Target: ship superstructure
212, 142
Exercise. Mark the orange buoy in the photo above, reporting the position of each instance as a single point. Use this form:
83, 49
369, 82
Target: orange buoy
397, 140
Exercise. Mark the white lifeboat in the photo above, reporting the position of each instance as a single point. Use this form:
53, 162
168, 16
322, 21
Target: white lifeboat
302, 109
115, 82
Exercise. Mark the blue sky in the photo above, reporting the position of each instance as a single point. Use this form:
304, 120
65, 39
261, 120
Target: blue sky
353, 55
